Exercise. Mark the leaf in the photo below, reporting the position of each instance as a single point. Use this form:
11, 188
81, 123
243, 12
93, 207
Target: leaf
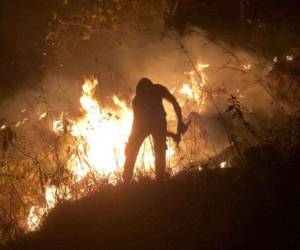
230, 107
240, 113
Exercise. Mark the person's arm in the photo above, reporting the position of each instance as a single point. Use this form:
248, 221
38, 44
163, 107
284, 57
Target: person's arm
170, 98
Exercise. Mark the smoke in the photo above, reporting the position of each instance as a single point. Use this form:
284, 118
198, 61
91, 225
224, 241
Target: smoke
158, 55
119, 59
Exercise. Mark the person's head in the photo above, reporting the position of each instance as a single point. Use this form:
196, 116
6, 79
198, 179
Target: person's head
144, 86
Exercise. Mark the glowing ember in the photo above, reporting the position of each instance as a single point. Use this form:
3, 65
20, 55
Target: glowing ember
223, 164
202, 66
289, 57
18, 124
247, 66
42, 116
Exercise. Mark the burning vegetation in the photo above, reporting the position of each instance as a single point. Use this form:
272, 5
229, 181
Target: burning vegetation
63, 139
89, 149
68, 156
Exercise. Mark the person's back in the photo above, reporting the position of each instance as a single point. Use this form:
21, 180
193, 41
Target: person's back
150, 119
148, 106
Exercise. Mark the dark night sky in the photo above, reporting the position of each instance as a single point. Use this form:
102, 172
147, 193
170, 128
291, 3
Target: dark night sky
23, 26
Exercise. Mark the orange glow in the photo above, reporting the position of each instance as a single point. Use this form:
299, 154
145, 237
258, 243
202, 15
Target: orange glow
99, 138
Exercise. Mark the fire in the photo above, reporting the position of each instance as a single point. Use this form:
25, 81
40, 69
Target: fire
36, 213
193, 90
202, 66
100, 137
247, 66
58, 125
289, 57
186, 90
35, 216
98, 140
42, 116
223, 164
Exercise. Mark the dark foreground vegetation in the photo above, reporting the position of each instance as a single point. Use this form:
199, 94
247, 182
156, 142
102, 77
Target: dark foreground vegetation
231, 208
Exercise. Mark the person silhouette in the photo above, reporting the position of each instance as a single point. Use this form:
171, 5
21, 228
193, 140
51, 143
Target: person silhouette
149, 118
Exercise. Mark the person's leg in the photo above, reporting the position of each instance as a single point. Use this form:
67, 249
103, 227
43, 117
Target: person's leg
160, 147
131, 152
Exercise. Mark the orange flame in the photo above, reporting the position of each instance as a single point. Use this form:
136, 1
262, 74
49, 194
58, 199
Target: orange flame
100, 137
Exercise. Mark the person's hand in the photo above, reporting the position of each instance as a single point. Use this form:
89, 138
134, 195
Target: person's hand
182, 127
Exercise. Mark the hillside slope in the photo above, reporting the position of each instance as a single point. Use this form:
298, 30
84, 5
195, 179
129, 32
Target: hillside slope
211, 209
